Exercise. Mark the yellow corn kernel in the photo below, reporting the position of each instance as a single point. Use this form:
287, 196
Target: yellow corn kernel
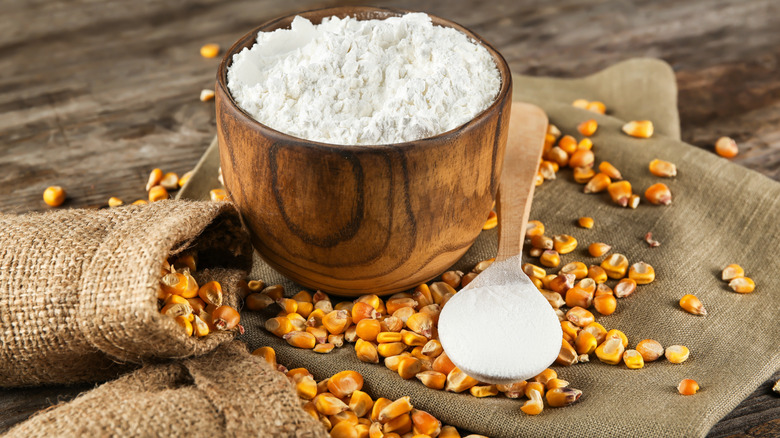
633, 359
306, 387
344, 383
375, 430
583, 174
184, 323
209, 50
170, 181
650, 349
625, 287
726, 147
639, 128
731, 272
691, 304
564, 244
585, 343
634, 200
184, 178
276, 291
206, 95
662, 168
605, 304
366, 351
603, 289
157, 193
390, 349
615, 265
610, 351
513, 390
328, 404
304, 308
394, 410
567, 356
379, 404
425, 423
598, 183
432, 348
268, 354
397, 426
199, 327
298, 321
310, 409
492, 221
545, 376
555, 383
687, 387
658, 194
743, 285
559, 156
677, 353
617, 334
560, 397
324, 348
114, 202
549, 258
542, 242
176, 309
413, 339
360, 403
336, 321
432, 379
458, 381
392, 324
443, 364
579, 316
409, 367
155, 176
585, 144
548, 170
211, 293
620, 192
578, 269
218, 195
361, 429
570, 328
534, 405
578, 296
585, 222
483, 391
597, 330
336, 340
582, 158
538, 179
534, 228
597, 274
368, 329
581, 103
300, 339
611, 171
564, 281
588, 127
140, 202
279, 326
421, 323
598, 249
343, 429
596, 107
642, 273
568, 144
387, 337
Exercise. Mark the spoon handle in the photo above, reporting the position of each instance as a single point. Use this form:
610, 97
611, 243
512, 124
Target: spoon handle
525, 142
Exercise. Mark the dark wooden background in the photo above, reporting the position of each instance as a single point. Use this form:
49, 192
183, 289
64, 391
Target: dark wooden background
96, 93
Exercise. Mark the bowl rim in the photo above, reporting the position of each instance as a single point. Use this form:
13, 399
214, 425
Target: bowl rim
251, 36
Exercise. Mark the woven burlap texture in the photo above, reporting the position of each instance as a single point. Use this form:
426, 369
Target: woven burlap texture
721, 214
227, 392
78, 288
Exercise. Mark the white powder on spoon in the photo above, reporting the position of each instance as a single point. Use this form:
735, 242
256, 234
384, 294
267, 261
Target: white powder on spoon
355, 82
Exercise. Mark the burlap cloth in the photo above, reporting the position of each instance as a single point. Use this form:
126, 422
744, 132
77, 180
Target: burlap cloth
227, 392
78, 288
721, 214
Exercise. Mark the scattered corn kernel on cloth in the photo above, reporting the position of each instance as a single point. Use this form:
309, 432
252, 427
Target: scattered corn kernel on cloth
721, 214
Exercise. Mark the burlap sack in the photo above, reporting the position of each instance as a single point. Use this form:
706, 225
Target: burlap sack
721, 214
227, 392
78, 288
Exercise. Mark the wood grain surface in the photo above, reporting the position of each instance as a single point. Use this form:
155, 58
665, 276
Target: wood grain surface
95, 93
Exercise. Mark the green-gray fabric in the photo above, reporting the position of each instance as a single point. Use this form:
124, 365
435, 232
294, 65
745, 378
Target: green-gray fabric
721, 214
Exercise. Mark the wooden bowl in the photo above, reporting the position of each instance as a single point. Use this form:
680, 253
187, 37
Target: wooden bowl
352, 220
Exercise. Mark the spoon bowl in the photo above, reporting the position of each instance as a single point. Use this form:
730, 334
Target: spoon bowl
499, 328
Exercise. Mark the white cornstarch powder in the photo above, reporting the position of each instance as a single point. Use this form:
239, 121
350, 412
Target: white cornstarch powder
354, 82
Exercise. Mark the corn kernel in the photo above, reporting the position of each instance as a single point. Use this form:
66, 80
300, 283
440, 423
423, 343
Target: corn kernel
157, 193
597, 273
687, 387
114, 202
360, 403
432, 379
611, 171
366, 351
328, 404
585, 144
658, 194
344, 383
140, 202
579, 297
443, 364
677, 353
421, 323
560, 397
514, 390
598, 249
534, 405
306, 388
583, 174
743, 285
336, 321
615, 265
578, 269
588, 127
409, 367
211, 293
726, 147
413, 339
184, 323
598, 183
634, 200
534, 228
642, 273
639, 128
732, 271
483, 391
199, 327
596, 107
585, 343
567, 356
568, 144
557, 383
662, 168
633, 359
300, 339
550, 259
559, 155
582, 158
368, 329
279, 326
209, 50
218, 195
650, 349
395, 410
533, 271
425, 423
492, 221
542, 242
206, 95
625, 287
691, 304
620, 192
605, 304
563, 282
397, 426
610, 351
564, 244
585, 222
268, 354
458, 381
580, 103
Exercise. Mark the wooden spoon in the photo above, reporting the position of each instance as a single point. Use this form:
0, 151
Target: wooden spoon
499, 328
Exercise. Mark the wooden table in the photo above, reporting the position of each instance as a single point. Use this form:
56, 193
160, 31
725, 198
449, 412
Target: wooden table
96, 93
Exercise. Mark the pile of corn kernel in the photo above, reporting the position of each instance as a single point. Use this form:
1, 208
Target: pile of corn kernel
346, 411
197, 309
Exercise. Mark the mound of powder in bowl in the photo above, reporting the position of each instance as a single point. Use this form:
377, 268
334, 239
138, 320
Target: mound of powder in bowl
352, 82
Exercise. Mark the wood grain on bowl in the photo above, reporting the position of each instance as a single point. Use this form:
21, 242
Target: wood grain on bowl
362, 219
